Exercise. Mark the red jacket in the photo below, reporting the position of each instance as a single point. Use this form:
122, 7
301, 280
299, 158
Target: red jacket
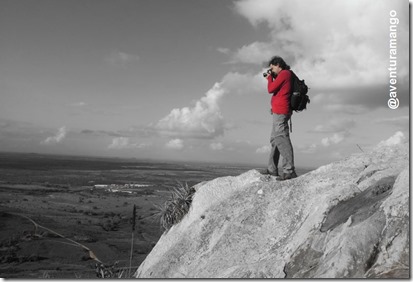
280, 87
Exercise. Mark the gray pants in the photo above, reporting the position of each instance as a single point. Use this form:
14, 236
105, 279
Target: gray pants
281, 145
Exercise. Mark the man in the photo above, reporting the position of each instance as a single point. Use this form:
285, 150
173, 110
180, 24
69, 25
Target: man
280, 88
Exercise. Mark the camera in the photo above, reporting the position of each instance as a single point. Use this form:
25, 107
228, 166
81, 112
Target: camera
269, 72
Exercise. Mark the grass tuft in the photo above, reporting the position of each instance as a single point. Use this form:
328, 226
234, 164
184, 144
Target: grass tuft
175, 208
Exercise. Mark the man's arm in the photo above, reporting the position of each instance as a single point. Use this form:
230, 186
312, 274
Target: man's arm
274, 85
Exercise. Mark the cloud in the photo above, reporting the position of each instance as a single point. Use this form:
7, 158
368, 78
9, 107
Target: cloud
243, 83
337, 53
257, 52
203, 120
335, 125
60, 135
21, 135
339, 126
78, 104
101, 133
345, 109
119, 143
335, 139
396, 139
124, 143
216, 146
175, 144
117, 58
223, 50
264, 150
401, 122
308, 149
318, 45
358, 100
346, 48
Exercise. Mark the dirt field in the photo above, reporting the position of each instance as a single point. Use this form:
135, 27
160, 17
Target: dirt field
58, 193
41, 195
99, 220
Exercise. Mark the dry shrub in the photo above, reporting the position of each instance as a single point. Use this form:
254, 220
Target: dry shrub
175, 208
111, 271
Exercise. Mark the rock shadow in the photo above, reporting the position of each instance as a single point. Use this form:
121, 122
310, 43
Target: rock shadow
361, 206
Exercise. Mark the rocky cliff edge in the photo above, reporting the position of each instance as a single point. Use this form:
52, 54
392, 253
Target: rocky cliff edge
348, 219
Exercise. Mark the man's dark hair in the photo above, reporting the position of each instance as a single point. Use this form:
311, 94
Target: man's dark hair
276, 60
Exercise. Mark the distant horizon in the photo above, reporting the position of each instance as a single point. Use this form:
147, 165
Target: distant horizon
263, 166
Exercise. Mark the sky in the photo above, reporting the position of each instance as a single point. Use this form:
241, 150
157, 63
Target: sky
182, 80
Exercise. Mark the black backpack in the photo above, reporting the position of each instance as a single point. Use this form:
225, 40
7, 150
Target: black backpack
299, 97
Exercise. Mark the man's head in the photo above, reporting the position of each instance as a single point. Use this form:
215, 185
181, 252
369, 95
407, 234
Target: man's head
278, 64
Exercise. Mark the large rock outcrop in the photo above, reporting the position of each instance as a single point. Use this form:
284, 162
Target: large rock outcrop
348, 219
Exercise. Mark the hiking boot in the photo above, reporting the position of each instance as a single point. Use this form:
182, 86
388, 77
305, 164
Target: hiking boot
287, 176
275, 173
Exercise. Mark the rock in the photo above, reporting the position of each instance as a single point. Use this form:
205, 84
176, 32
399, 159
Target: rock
348, 219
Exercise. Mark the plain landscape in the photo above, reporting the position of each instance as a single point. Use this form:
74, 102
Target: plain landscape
55, 208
